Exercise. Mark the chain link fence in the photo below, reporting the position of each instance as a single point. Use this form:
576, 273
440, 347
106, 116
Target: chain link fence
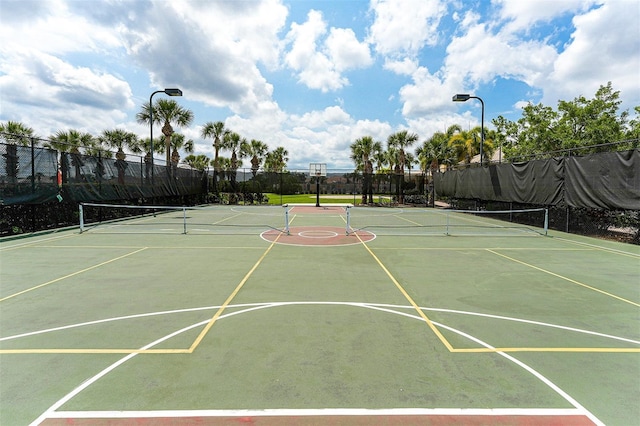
40, 188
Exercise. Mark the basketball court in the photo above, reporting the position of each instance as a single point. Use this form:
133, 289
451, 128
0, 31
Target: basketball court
317, 315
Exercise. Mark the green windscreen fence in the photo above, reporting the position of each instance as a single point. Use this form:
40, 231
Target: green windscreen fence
36, 175
609, 180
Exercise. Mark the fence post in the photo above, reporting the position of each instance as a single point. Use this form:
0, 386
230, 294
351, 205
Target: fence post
33, 167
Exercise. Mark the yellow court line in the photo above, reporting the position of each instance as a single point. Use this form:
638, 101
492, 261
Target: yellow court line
94, 351
525, 349
566, 279
226, 218
34, 243
408, 220
226, 303
161, 247
484, 248
437, 332
71, 275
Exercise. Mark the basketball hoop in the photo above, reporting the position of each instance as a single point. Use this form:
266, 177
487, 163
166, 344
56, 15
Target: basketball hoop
317, 169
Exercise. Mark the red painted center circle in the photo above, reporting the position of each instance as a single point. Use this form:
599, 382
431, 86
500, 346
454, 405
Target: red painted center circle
317, 236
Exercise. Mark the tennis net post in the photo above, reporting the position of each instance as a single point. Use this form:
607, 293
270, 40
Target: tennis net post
286, 218
348, 225
81, 215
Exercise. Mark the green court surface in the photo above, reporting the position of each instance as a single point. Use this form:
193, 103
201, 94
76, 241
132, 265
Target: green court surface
307, 315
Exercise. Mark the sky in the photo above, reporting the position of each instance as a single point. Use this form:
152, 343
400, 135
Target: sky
311, 76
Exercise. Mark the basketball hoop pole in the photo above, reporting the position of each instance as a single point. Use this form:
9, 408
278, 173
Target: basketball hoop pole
318, 170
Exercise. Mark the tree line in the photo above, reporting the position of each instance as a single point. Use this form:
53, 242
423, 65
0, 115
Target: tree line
580, 123
168, 113
541, 131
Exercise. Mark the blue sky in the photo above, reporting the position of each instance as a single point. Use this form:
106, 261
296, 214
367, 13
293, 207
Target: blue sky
311, 76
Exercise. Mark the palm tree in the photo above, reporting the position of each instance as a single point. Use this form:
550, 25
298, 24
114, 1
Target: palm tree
399, 141
224, 164
166, 111
256, 150
275, 163
14, 134
276, 160
380, 158
71, 142
361, 151
178, 142
233, 142
216, 131
119, 139
392, 157
144, 145
436, 150
467, 144
198, 162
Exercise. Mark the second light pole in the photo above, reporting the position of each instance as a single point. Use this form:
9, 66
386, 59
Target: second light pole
463, 98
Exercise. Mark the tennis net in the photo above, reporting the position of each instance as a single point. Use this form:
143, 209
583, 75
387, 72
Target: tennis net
122, 218
421, 221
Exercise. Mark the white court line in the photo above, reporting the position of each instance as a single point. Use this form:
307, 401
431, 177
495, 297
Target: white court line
597, 247
539, 376
376, 306
51, 411
321, 412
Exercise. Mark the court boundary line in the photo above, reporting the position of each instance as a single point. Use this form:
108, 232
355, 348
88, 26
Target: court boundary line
85, 384
305, 412
597, 247
388, 308
233, 294
71, 274
28, 244
433, 328
564, 278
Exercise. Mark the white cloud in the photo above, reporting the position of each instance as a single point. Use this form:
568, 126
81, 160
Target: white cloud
320, 59
405, 66
65, 92
217, 64
224, 55
427, 94
479, 55
345, 51
522, 15
314, 68
404, 27
46, 27
604, 47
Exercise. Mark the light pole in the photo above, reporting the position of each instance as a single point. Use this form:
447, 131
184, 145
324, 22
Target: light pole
170, 92
463, 98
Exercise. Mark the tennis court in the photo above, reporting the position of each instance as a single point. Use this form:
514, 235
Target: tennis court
318, 315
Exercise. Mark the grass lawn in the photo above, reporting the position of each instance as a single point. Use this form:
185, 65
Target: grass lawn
277, 199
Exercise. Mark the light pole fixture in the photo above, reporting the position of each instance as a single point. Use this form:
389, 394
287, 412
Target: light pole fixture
463, 97
170, 92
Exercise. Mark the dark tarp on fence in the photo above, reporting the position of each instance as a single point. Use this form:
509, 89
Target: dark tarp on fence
608, 180
533, 182
29, 175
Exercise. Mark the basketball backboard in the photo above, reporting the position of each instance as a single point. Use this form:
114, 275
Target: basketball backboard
318, 169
